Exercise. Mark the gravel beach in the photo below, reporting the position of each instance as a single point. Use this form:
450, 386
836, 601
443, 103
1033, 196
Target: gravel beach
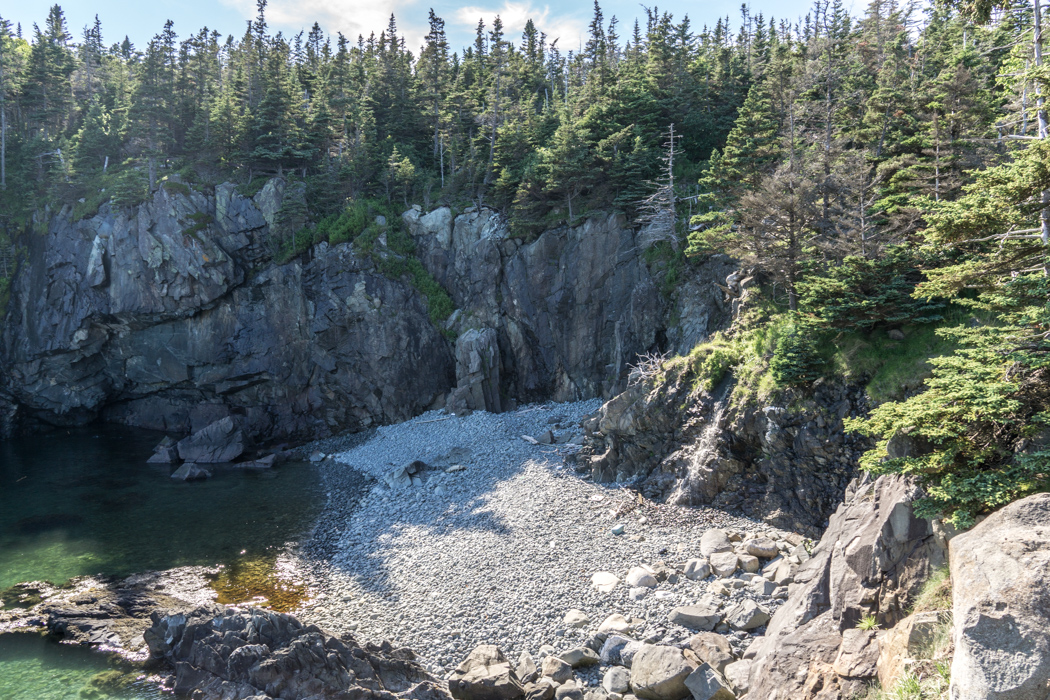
495, 540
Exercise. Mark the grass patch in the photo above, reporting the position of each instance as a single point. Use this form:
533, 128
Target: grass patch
936, 593
173, 187
868, 622
893, 368
253, 187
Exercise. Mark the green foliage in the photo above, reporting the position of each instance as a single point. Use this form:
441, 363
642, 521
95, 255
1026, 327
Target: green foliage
797, 358
868, 622
936, 593
130, 187
860, 293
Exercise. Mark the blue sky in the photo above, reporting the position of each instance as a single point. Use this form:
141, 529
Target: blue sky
566, 19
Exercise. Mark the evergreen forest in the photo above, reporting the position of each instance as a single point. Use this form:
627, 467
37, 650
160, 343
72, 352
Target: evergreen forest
885, 177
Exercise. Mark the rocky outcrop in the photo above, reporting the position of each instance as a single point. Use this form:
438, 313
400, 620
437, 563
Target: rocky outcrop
171, 316
261, 654
675, 441
871, 561
573, 308
1001, 604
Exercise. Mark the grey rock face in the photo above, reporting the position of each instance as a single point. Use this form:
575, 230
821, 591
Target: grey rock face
220, 441
262, 654
477, 372
128, 317
1001, 604
572, 308
872, 560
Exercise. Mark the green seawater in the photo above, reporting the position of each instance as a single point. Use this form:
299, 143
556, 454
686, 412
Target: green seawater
35, 668
84, 502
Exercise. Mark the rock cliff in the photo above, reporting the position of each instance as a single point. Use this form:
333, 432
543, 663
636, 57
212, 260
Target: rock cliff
171, 316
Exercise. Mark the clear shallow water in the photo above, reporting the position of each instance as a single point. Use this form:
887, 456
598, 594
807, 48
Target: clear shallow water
34, 668
84, 501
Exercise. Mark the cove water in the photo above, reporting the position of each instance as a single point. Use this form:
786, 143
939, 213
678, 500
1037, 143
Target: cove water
84, 501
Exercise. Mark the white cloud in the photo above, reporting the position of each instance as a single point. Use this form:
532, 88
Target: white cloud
568, 29
351, 17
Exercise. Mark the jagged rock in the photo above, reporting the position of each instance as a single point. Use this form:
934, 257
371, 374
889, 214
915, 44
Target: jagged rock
706, 684
902, 643
696, 569
221, 441
640, 577
695, 617
610, 651
556, 669
724, 563
568, 691
261, 654
736, 674
746, 615
1001, 604
485, 675
715, 541
872, 559
527, 670
164, 453
579, 656
576, 618
617, 680
658, 673
858, 655
261, 463
477, 373
629, 650
190, 472
748, 563
614, 624
712, 649
543, 689
762, 586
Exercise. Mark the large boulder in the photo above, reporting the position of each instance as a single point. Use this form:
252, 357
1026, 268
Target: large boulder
872, 560
485, 674
477, 372
221, 441
1001, 605
658, 672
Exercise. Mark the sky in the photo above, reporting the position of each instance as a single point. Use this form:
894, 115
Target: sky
567, 19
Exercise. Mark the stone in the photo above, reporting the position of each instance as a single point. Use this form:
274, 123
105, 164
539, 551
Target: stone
695, 617
629, 650
618, 529
190, 472
614, 624
604, 581
762, 547
746, 615
221, 441
736, 674
748, 563
398, 478
719, 588
579, 656
696, 569
895, 334
1000, 573
543, 689
556, 669
715, 541
266, 462
858, 655
568, 691
711, 648
872, 559
784, 573
641, 577
527, 670
638, 593
610, 651
576, 618
706, 684
902, 643
617, 680
724, 563
762, 586
658, 672
485, 675
317, 456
